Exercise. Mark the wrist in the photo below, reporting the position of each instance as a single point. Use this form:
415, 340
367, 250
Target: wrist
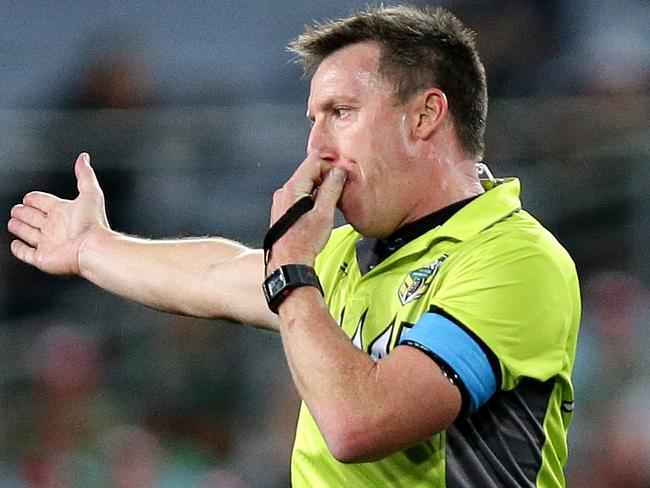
303, 298
285, 259
90, 249
282, 281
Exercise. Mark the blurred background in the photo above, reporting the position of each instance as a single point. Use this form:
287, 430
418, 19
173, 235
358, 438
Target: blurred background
193, 115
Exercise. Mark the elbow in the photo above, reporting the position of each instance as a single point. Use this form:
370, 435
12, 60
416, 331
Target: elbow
349, 442
346, 448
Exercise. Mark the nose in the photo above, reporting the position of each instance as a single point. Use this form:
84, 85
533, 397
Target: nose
321, 142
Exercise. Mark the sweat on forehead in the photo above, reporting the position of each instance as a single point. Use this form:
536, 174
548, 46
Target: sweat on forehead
348, 76
366, 56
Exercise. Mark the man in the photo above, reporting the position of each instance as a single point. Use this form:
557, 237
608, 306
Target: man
439, 351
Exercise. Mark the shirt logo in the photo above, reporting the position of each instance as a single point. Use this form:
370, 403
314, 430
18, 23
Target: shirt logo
417, 282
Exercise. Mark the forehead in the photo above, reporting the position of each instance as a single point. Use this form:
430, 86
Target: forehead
351, 71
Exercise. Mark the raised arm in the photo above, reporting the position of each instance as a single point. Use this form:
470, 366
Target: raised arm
207, 277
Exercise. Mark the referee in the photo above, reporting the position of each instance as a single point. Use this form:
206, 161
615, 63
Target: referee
432, 338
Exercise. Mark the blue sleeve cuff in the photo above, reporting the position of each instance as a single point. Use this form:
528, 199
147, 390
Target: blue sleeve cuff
446, 340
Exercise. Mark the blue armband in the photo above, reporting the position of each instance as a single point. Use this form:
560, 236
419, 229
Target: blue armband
445, 340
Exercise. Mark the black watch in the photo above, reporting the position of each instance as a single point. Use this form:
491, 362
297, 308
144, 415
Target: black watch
279, 284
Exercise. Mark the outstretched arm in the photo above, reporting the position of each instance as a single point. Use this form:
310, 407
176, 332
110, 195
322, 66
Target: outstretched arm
208, 277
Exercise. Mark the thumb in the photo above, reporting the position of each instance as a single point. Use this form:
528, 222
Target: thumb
86, 178
331, 189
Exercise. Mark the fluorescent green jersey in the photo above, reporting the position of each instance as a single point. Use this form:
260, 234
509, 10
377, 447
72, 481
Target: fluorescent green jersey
502, 277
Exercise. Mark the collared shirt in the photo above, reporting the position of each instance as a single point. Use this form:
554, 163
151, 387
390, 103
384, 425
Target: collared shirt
372, 251
493, 268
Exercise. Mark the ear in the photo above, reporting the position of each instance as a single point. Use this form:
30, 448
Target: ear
432, 109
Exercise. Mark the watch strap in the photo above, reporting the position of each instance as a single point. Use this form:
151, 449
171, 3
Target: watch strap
279, 284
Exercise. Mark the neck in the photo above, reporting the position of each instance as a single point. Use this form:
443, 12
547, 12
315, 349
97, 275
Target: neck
451, 182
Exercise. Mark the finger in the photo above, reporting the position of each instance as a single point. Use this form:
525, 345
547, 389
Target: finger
308, 175
330, 191
86, 178
31, 235
30, 215
40, 200
23, 252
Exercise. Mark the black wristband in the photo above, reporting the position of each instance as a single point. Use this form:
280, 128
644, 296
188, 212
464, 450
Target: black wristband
279, 284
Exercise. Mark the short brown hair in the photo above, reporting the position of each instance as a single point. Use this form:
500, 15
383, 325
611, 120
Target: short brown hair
420, 48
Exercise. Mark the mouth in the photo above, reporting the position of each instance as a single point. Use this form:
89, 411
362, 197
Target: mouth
348, 167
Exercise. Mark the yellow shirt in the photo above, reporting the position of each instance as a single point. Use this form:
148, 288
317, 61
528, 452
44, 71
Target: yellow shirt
511, 284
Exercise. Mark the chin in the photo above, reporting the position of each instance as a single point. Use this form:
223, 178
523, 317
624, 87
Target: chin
366, 229
359, 219
353, 218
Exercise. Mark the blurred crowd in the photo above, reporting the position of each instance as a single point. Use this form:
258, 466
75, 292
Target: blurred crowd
98, 392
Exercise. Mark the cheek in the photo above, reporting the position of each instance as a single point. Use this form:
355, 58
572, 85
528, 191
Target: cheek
373, 156
387, 161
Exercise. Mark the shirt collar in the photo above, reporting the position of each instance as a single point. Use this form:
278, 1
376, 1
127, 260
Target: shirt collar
498, 202
372, 251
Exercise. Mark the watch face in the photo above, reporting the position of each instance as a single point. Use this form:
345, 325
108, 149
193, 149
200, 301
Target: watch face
275, 283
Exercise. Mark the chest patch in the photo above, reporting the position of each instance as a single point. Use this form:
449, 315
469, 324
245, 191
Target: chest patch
417, 282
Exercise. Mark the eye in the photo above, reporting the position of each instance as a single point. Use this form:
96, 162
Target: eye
342, 112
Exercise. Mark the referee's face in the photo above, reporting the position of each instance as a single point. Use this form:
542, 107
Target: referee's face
358, 125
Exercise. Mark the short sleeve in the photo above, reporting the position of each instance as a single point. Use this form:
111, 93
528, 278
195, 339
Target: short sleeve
518, 294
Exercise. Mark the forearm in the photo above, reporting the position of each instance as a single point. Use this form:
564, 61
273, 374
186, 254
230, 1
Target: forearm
364, 409
206, 277
337, 381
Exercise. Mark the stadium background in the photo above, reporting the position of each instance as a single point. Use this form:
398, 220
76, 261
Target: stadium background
193, 115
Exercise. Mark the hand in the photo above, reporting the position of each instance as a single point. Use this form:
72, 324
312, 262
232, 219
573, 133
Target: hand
51, 230
308, 236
